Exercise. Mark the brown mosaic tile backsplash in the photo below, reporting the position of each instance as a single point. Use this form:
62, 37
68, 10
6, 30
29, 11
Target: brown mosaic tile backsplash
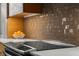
57, 22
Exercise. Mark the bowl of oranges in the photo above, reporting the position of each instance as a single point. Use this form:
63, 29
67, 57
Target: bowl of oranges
18, 35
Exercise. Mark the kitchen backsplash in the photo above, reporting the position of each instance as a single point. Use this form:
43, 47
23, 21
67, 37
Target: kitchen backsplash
57, 22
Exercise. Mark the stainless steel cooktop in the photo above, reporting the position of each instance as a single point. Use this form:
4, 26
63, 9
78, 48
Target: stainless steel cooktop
28, 46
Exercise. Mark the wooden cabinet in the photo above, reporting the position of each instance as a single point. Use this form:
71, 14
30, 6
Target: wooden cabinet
19, 8
2, 49
33, 7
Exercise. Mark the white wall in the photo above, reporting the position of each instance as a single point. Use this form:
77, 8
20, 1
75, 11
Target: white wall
3, 20
0, 21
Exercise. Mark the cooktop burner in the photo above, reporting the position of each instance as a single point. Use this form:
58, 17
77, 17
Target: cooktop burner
39, 45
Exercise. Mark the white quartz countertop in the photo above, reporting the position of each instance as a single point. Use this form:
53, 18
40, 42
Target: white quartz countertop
55, 52
14, 40
58, 52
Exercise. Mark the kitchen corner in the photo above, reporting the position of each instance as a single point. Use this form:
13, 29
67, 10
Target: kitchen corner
42, 29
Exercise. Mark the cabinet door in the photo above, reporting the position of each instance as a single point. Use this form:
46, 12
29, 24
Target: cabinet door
15, 8
32, 7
